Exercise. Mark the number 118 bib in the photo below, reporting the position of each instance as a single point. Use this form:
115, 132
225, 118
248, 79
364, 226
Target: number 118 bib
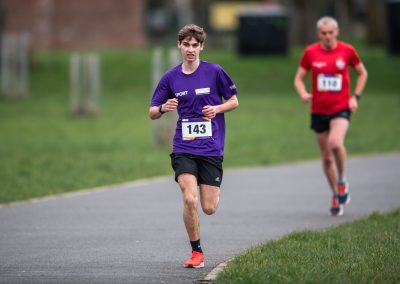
329, 83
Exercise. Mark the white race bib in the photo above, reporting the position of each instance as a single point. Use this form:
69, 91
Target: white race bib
332, 83
195, 129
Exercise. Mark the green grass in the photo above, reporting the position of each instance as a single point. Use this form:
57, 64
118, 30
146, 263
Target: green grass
44, 150
365, 251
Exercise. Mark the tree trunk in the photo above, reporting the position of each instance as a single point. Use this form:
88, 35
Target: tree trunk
376, 32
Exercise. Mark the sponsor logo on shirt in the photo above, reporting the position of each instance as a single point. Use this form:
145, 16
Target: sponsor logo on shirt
202, 91
233, 87
319, 64
340, 64
181, 94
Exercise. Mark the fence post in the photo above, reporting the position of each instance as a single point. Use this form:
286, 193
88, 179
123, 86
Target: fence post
14, 65
93, 80
85, 84
163, 129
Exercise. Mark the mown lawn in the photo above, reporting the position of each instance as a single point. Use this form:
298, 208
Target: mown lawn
44, 150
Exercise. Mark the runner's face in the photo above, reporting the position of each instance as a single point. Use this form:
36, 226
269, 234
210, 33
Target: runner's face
327, 34
190, 49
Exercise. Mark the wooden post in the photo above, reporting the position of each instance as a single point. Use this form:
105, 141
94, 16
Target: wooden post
164, 128
14, 65
85, 84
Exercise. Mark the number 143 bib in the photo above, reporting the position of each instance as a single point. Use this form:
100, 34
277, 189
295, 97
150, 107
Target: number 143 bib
196, 128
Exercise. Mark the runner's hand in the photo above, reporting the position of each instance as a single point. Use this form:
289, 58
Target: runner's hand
353, 104
210, 111
306, 98
170, 105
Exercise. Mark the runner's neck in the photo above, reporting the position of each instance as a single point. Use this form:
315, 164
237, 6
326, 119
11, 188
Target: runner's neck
190, 67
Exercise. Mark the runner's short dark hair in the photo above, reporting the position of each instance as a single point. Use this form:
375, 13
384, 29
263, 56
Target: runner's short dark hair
192, 31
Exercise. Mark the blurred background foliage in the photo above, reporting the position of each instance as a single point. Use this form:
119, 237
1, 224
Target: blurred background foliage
45, 149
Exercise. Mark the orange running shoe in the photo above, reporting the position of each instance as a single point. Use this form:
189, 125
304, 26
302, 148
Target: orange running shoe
344, 194
337, 208
196, 261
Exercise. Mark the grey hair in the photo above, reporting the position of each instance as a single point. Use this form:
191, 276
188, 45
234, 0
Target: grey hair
327, 20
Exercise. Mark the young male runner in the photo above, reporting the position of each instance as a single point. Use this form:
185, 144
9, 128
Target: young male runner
331, 103
201, 92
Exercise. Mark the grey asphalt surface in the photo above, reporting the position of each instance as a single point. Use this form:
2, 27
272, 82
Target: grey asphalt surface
134, 233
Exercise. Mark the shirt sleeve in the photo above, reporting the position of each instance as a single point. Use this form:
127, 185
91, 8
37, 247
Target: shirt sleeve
162, 92
304, 61
226, 87
354, 58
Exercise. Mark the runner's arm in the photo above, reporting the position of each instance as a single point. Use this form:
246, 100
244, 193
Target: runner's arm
300, 86
228, 105
360, 84
362, 76
170, 105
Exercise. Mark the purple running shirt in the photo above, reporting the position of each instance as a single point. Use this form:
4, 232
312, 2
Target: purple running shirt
208, 85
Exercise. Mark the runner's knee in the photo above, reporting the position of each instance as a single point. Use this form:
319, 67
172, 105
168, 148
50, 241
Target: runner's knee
190, 201
335, 145
327, 160
209, 210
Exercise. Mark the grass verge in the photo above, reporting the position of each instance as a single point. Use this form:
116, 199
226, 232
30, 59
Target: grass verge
364, 251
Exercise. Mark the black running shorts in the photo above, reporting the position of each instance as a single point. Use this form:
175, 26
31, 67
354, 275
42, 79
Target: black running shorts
207, 169
321, 122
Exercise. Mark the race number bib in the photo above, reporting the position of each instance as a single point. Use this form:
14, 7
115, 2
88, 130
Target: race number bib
196, 129
329, 83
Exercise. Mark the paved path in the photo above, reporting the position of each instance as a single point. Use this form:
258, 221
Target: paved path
134, 233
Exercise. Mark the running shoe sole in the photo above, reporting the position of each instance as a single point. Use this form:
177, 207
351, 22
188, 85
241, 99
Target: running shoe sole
191, 266
348, 199
340, 213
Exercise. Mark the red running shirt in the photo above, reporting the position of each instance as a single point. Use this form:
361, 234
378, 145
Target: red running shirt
330, 76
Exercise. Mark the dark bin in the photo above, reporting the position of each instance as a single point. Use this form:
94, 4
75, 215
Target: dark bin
263, 31
393, 26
